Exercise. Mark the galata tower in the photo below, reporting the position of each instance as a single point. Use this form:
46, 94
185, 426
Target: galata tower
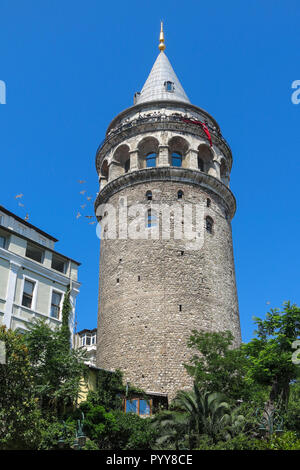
164, 170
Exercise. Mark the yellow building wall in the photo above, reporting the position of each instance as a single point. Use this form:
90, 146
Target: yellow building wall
87, 384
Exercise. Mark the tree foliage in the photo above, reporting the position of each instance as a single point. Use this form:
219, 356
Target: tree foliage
19, 413
57, 371
217, 366
270, 353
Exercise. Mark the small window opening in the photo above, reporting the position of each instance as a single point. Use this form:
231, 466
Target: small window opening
149, 195
169, 86
180, 308
208, 201
118, 280
139, 278
209, 224
180, 194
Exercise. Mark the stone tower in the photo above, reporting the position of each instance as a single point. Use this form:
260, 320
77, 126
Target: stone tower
155, 287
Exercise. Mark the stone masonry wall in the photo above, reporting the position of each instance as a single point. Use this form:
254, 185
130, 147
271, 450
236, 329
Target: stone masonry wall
141, 329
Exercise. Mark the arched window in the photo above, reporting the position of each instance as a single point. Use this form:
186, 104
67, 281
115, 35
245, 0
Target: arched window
176, 159
209, 224
104, 170
205, 158
127, 165
180, 194
151, 160
200, 164
208, 202
149, 195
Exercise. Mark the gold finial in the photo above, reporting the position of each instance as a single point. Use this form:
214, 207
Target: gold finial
161, 45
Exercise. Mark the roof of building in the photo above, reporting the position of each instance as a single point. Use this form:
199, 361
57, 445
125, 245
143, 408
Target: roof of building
86, 330
155, 85
11, 214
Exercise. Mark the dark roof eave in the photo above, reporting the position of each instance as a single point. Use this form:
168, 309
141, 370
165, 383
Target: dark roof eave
38, 244
28, 224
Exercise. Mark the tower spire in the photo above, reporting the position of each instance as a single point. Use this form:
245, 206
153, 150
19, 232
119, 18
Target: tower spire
161, 45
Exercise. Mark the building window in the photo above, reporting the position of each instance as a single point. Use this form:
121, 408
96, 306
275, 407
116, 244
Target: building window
169, 86
82, 342
34, 252
131, 406
151, 160
208, 202
127, 165
2, 241
28, 293
1, 219
180, 308
149, 195
58, 263
176, 159
209, 224
94, 339
180, 194
88, 340
138, 406
55, 304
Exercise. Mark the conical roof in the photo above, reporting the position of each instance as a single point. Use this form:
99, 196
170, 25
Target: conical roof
156, 87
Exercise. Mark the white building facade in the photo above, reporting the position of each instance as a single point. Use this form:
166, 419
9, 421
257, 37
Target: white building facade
33, 276
87, 340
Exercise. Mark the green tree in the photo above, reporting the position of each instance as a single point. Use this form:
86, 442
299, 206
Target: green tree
270, 353
172, 428
208, 413
66, 311
57, 371
20, 418
217, 366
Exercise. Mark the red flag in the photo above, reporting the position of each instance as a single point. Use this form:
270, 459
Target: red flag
204, 127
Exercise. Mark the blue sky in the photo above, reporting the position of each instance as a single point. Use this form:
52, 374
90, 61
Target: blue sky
71, 66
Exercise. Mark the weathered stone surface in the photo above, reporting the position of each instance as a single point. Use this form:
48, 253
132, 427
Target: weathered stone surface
141, 329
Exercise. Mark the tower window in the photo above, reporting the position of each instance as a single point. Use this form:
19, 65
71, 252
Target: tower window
180, 194
139, 278
127, 166
118, 280
209, 224
151, 218
151, 160
180, 308
169, 86
176, 159
208, 202
200, 164
149, 195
